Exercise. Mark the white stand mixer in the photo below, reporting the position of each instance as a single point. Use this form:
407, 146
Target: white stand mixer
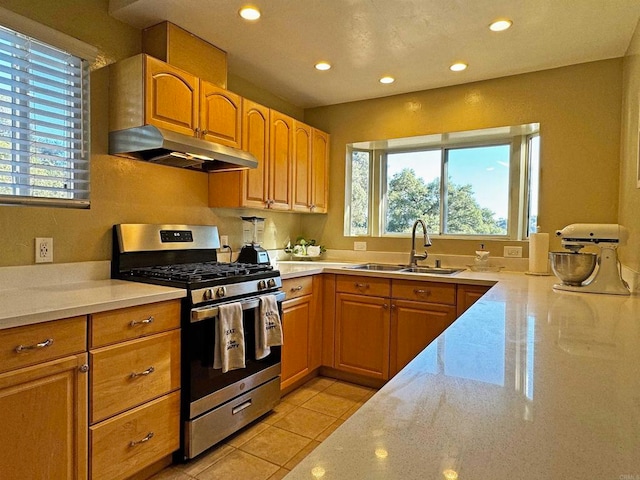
608, 237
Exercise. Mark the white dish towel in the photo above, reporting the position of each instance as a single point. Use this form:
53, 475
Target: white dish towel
229, 346
268, 327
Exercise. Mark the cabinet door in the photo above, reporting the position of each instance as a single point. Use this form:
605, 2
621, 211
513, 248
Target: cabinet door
301, 167
220, 115
296, 344
414, 325
43, 413
280, 159
255, 140
468, 295
319, 172
362, 335
171, 97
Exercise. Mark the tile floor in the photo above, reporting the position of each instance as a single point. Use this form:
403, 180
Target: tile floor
268, 448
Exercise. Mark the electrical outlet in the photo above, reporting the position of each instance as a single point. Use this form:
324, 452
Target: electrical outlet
360, 246
44, 250
224, 240
513, 252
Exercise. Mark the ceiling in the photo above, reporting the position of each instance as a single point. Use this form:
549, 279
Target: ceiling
414, 41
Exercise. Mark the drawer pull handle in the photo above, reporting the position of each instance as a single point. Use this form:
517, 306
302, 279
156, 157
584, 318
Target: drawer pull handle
421, 292
362, 285
144, 373
46, 343
297, 289
149, 436
146, 321
241, 407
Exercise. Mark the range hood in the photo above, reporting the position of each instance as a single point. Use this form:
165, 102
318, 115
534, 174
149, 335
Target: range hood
165, 147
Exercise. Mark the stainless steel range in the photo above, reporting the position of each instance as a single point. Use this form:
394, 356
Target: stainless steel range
214, 404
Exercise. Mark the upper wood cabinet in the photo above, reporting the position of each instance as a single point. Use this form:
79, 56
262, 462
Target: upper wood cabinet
280, 161
310, 169
148, 91
319, 177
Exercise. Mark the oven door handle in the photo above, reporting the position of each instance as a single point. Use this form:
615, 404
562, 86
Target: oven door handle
202, 313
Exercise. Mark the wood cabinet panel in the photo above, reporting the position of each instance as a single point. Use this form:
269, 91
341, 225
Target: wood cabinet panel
255, 140
362, 335
298, 287
43, 413
414, 325
37, 343
280, 161
297, 339
363, 285
302, 172
118, 378
171, 97
113, 455
220, 115
319, 172
468, 295
431, 292
133, 322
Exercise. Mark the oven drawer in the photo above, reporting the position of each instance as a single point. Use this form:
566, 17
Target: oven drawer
154, 428
361, 285
31, 344
297, 287
131, 373
214, 426
134, 322
425, 291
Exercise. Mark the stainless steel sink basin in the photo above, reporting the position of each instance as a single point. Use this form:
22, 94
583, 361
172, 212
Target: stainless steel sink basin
433, 270
383, 267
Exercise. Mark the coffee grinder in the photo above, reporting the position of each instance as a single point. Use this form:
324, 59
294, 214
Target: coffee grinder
252, 235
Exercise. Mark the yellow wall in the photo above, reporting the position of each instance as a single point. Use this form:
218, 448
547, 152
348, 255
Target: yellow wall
578, 108
122, 190
629, 172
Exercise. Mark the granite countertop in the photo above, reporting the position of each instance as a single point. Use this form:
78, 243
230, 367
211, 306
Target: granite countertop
529, 383
31, 294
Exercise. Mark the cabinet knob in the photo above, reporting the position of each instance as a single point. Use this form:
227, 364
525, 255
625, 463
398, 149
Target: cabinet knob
204, 132
21, 348
385, 306
362, 286
84, 368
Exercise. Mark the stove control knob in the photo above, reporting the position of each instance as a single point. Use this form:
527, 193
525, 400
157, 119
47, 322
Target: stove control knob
208, 294
271, 283
262, 285
220, 292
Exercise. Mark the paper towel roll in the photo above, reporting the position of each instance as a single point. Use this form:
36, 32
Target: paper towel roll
539, 253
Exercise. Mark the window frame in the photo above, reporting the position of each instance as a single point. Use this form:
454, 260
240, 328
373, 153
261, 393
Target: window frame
519, 182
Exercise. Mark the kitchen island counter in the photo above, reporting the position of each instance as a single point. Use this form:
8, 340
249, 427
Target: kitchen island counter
529, 383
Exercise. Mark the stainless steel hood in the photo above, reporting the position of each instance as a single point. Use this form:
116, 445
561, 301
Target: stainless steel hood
165, 147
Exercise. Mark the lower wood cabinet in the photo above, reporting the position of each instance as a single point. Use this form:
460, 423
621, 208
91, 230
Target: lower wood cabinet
43, 406
302, 329
468, 295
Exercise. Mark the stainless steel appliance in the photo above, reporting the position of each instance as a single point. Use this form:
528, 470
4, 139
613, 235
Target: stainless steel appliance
214, 405
575, 269
252, 233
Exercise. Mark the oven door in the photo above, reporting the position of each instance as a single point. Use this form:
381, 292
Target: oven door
209, 387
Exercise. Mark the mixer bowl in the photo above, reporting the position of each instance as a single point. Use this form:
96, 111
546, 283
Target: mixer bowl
572, 268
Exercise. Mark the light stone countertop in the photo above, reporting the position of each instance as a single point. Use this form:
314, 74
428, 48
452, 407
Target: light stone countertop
34, 294
529, 383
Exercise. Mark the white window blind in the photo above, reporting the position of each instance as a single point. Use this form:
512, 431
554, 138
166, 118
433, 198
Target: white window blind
44, 123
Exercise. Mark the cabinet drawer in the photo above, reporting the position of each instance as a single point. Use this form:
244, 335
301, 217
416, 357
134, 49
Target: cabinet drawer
155, 427
31, 344
425, 291
362, 285
131, 373
134, 322
297, 287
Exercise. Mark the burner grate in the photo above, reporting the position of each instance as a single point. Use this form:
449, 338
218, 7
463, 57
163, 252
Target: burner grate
198, 272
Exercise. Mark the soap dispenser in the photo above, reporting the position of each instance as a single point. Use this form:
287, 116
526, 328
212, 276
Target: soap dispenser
482, 257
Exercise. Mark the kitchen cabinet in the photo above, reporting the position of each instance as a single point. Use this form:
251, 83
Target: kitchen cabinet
363, 323
148, 91
280, 161
310, 169
302, 330
43, 400
135, 388
468, 295
319, 172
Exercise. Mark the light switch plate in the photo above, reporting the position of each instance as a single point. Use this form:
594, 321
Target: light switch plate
360, 246
513, 252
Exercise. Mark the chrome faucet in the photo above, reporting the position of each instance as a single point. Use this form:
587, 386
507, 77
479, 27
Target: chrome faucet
414, 257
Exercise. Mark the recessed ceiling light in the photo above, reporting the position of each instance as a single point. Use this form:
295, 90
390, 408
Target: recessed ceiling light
250, 13
458, 67
387, 80
323, 65
500, 25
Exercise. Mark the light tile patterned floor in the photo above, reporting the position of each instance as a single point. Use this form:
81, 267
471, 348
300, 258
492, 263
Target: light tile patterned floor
273, 445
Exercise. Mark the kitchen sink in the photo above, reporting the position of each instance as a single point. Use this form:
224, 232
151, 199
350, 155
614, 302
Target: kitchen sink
433, 270
379, 267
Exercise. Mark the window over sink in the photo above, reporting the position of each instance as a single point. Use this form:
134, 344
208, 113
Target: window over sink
491, 187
